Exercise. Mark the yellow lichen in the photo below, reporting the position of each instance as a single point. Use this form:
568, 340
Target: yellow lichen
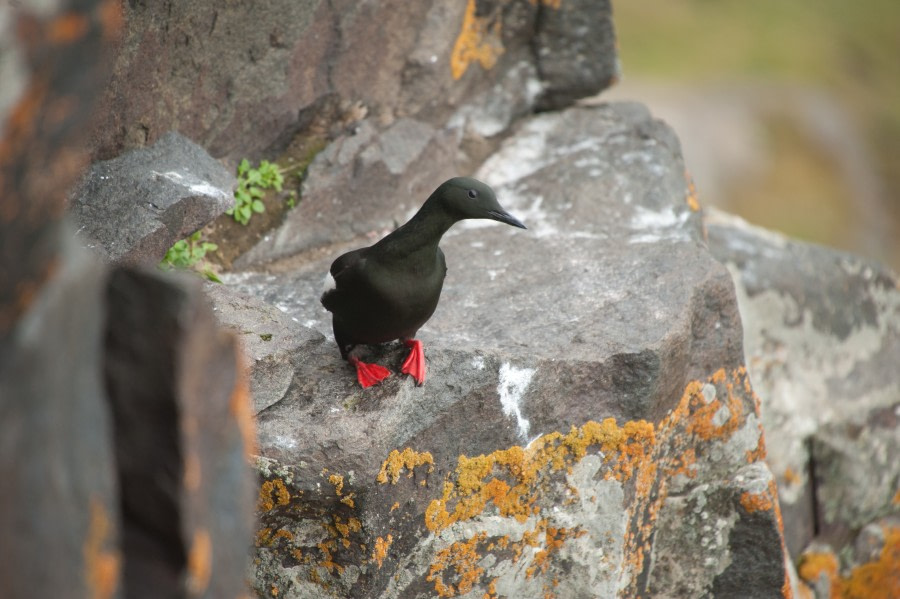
459, 561
878, 579
691, 198
338, 481
409, 459
271, 493
479, 41
755, 502
381, 548
482, 480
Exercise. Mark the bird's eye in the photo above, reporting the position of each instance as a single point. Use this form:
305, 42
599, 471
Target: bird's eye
473, 194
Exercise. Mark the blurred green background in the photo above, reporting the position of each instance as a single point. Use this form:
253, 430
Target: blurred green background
788, 110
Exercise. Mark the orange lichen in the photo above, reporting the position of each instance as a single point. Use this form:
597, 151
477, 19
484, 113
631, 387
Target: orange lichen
791, 477
68, 28
702, 422
755, 502
327, 561
396, 506
199, 567
393, 466
263, 536
758, 454
479, 40
459, 560
896, 499
241, 407
381, 548
283, 534
271, 493
878, 579
691, 198
511, 490
815, 565
102, 565
338, 481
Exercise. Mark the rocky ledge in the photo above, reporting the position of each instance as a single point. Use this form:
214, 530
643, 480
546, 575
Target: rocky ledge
587, 427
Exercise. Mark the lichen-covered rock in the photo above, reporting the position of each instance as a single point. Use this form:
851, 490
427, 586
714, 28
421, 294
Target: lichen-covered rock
870, 569
586, 429
132, 208
822, 337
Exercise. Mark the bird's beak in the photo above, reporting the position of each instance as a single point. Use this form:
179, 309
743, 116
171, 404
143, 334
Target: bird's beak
505, 217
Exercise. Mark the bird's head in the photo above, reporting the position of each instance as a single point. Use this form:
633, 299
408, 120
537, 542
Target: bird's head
465, 197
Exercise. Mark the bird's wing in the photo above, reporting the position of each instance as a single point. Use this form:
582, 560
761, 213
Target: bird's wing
343, 272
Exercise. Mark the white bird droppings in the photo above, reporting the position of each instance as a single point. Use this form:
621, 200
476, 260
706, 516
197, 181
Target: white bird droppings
513, 383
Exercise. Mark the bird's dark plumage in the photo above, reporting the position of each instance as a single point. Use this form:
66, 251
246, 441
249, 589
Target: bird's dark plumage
388, 290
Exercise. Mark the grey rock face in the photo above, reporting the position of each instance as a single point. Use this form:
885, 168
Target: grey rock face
822, 337
583, 376
236, 89
134, 207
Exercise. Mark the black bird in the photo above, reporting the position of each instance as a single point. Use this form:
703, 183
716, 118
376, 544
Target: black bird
388, 290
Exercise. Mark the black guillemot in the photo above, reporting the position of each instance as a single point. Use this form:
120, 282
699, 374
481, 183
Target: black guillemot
388, 290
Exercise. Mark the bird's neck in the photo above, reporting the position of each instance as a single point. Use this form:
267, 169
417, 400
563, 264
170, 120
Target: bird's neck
422, 233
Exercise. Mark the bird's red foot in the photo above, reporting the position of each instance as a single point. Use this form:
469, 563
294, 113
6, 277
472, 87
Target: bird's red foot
369, 374
415, 361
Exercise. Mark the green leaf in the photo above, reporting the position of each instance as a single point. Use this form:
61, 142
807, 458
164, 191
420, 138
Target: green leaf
209, 274
258, 206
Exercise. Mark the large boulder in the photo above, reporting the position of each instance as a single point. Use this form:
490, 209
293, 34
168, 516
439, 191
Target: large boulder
124, 416
587, 426
822, 338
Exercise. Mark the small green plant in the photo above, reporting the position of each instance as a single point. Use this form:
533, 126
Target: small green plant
189, 253
251, 185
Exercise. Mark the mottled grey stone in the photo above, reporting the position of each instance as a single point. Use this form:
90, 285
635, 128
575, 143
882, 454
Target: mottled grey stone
133, 208
822, 338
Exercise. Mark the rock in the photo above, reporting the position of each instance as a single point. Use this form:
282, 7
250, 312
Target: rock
275, 349
181, 416
133, 208
50, 84
58, 506
239, 90
822, 338
86, 468
584, 377
58, 502
576, 51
